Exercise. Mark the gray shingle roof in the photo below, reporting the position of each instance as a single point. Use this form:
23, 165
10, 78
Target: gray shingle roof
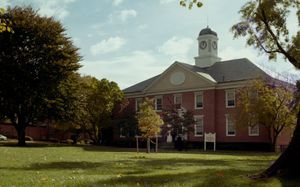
207, 30
220, 72
231, 70
140, 86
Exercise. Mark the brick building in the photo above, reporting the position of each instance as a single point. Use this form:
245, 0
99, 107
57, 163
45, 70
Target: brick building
208, 89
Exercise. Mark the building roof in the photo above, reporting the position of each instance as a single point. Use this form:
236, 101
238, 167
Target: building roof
230, 70
140, 86
207, 30
220, 72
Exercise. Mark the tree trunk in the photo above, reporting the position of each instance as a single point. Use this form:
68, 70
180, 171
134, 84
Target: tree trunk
148, 145
288, 162
274, 142
270, 134
20, 127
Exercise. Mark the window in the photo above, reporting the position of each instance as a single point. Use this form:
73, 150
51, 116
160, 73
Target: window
198, 126
198, 100
138, 102
177, 101
253, 130
122, 132
158, 103
230, 127
230, 98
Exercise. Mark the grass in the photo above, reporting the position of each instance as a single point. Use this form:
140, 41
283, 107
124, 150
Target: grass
101, 166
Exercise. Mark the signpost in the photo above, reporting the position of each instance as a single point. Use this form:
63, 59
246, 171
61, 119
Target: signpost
210, 137
137, 143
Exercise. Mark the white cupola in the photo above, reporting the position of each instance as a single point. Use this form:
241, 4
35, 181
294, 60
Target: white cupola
207, 48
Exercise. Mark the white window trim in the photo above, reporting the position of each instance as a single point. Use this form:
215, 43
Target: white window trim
155, 99
226, 118
226, 99
195, 100
249, 131
136, 102
174, 97
202, 117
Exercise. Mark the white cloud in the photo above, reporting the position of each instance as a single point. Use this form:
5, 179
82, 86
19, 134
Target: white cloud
142, 27
166, 1
56, 8
125, 14
230, 53
177, 48
136, 67
107, 45
117, 2
122, 15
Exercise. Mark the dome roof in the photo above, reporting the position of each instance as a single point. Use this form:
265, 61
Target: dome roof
206, 31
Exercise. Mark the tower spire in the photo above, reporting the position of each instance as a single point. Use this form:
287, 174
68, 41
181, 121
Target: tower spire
207, 23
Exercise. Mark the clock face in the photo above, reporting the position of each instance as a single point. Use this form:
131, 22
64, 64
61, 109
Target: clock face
177, 78
214, 45
203, 44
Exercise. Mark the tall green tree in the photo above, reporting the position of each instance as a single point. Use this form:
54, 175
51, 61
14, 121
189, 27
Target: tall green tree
34, 61
264, 25
97, 101
268, 105
124, 118
149, 122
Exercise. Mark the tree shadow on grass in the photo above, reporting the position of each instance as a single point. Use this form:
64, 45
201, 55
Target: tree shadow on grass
66, 165
95, 148
164, 171
133, 164
171, 163
150, 164
209, 177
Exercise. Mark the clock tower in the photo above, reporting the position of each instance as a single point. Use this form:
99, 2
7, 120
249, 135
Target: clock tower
207, 48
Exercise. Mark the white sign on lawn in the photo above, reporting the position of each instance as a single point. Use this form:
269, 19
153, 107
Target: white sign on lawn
210, 137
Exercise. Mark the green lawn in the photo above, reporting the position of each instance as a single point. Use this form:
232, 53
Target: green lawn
101, 166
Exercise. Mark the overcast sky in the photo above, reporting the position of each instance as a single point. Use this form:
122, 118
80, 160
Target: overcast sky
128, 41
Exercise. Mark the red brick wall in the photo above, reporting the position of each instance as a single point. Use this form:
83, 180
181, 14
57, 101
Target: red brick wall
37, 133
214, 111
